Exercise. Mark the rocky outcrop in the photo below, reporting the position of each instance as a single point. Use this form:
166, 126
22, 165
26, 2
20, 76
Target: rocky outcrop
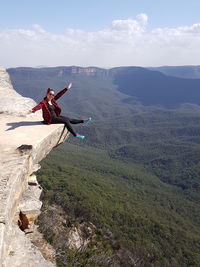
24, 142
89, 71
10, 101
80, 236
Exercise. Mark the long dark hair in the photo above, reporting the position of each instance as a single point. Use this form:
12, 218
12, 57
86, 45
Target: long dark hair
48, 91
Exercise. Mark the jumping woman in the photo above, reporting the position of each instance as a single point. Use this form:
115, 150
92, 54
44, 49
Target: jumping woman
51, 111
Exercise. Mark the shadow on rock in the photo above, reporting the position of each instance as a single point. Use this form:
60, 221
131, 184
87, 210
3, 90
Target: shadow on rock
14, 125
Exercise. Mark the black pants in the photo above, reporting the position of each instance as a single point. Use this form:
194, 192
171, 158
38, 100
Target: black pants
67, 122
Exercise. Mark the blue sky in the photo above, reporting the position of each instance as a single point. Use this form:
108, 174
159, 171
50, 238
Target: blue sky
91, 15
104, 25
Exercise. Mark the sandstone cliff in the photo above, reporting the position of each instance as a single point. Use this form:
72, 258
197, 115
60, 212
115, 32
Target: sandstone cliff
24, 142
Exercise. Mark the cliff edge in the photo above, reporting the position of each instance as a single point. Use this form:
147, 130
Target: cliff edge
24, 142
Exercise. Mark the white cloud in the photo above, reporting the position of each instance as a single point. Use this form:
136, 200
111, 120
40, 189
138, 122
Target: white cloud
125, 42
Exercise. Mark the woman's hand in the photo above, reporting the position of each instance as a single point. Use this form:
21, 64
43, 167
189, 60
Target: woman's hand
29, 112
69, 86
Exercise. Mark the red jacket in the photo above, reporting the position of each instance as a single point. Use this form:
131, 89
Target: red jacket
45, 110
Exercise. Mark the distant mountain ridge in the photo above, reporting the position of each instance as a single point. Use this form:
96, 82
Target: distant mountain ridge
155, 88
136, 84
187, 72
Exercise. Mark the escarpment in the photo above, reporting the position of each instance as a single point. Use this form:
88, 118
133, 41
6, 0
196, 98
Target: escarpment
24, 142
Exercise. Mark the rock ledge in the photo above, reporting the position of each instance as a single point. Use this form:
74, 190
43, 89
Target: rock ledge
24, 142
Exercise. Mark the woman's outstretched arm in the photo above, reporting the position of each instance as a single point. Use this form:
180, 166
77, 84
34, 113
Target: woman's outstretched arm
38, 107
58, 95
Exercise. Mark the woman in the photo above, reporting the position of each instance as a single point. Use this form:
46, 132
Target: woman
51, 111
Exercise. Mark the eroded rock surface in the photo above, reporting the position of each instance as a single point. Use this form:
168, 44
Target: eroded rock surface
24, 142
22, 252
10, 101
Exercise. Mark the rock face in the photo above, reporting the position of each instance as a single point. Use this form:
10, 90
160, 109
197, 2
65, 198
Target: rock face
23, 144
89, 71
23, 253
10, 101
76, 239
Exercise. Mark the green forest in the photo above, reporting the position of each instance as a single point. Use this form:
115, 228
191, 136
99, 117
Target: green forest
142, 185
